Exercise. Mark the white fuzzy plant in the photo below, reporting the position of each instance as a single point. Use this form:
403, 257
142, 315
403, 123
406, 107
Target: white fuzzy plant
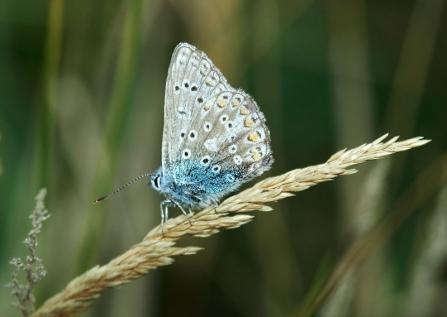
28, 271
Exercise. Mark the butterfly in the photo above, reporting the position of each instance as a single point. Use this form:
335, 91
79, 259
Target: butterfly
215, 138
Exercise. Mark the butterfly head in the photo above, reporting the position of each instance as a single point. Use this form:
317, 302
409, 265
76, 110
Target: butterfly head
156, 179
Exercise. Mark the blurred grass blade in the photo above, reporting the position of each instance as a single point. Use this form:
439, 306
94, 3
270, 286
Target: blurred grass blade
51, 75
424, 187
118, 107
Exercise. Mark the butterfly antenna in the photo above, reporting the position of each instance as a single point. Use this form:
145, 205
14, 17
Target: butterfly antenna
131, 182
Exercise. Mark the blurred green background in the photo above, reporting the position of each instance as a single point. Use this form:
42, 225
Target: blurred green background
81, 108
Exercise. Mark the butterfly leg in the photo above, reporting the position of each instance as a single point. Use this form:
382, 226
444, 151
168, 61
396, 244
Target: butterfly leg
183, 211
164, 210
162, 213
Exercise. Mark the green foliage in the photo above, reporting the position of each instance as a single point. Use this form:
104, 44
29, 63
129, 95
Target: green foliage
81, 110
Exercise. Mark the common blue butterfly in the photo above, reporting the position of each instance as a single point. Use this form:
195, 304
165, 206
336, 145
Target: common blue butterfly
214, 137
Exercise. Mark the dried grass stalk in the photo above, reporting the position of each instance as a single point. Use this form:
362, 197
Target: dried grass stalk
158, 249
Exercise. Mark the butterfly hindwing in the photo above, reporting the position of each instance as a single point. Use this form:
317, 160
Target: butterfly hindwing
232, 133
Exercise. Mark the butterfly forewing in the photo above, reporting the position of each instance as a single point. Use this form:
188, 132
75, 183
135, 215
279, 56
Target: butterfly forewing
192, 78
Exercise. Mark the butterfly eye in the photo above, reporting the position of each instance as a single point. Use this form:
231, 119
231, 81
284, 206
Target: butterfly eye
200, 100
156, 181
194, 88
229, 125
182, 134
186, 154
216, 169
176, 88
232, 149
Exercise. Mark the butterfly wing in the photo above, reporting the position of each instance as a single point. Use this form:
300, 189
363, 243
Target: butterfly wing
214, 135
192, 77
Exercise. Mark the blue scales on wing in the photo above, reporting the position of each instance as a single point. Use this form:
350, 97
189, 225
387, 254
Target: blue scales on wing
195, 185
